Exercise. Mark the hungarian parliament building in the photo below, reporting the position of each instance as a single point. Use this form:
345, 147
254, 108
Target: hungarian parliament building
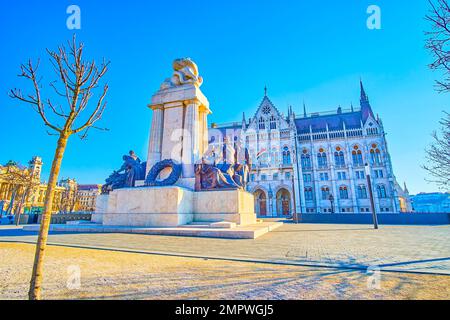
315, 163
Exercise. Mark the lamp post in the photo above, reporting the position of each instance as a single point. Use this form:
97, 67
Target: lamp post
331, 198
372, 203
294, 212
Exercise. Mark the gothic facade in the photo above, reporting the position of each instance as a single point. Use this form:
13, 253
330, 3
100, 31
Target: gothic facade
315, 163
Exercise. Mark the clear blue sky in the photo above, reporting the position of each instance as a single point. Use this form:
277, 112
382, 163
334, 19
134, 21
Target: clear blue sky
302, 50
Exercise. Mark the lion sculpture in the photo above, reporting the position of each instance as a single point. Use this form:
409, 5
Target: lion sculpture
185, 72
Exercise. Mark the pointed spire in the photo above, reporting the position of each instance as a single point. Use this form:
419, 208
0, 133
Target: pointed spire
406, 188
243, 117
304, 109
366, 109
364, 96
265, 91
351, 107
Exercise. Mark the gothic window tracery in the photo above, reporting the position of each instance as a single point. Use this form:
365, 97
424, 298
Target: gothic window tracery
375, 155
325, 193
343, 192
286, 156
339, 158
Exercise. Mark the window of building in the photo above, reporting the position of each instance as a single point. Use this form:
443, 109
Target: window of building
339, 159
325, 193
342, 175
357, 157
323, 176
287, 176
322, 159
275, 176
263, 177
378, 173
273, 123
360, 175
343, 192
309, 193
305, 160
286, 156
362, 192
262, 124
307, 177
375, 155
381, 191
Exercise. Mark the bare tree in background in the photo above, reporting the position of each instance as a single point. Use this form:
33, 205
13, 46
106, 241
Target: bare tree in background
438, 41
23, 185
77, 80
438, 155
438, 38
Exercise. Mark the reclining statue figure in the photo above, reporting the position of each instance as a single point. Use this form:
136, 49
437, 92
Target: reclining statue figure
131, 170
219, 168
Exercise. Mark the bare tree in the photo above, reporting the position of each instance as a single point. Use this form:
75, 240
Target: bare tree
77, 80
438, 41
23, 184
438, 38
438, 154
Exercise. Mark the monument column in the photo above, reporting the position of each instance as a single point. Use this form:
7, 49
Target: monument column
191, 138
155, 141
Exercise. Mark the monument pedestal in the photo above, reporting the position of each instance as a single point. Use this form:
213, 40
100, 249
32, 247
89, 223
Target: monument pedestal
173, 206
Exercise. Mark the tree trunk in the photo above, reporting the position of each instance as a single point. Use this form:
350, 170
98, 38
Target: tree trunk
9, 211
22, 205
37, 275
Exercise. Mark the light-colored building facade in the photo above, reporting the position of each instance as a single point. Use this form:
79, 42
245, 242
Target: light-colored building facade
87, 196
431, 202
316, 162
21, 189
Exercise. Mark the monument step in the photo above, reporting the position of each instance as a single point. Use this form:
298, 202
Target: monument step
252, 231
209, 224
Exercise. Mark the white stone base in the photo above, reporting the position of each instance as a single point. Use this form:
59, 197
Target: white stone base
173, 206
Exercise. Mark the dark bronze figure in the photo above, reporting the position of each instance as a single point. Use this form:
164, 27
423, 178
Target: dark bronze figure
131, 170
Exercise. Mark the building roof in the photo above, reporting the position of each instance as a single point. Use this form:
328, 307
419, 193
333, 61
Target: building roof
88, 186
334, 121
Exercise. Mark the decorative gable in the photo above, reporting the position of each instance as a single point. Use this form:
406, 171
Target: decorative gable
266, 115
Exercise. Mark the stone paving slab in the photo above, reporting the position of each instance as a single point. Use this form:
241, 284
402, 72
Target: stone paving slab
252, 231
398, 248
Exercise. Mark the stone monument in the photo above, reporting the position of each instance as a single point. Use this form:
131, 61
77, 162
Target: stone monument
185, 179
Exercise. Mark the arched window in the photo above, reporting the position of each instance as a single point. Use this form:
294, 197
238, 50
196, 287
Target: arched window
325, 193
357, 157
306, 160
362, 192
262, 124
381, 191
322, 158
273, 122
375, 155
309, 193
286, 156
339, 159
343, 192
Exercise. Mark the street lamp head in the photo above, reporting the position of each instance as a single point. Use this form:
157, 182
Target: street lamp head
367, 169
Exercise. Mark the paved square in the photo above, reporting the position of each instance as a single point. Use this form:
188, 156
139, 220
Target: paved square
397, 248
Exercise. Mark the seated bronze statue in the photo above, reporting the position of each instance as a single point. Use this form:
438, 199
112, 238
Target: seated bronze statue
220, 170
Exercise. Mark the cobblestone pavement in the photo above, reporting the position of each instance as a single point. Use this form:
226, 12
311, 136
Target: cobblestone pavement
107, 274
398, 248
